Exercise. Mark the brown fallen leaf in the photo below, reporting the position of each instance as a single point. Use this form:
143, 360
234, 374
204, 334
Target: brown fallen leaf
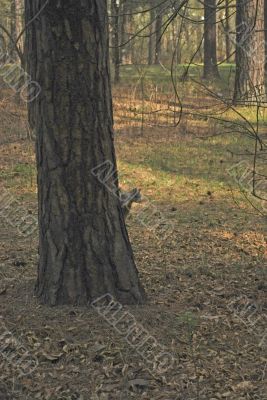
52, 357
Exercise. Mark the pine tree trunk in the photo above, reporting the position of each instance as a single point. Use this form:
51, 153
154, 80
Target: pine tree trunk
151, 44
250, 52
115, 40
158, 28
122, 33
210, 40
227, 31
84, 249
13, 30
265, 29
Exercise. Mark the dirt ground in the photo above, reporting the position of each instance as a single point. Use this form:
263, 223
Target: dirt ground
206, 289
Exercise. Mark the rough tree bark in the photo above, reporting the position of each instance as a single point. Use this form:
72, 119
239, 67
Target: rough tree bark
250, 51
84, 249
210, 40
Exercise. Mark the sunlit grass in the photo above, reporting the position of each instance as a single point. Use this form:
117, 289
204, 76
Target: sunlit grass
187, 170
146, 95
183, 164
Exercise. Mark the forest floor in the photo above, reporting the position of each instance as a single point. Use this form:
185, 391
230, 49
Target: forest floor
205, 276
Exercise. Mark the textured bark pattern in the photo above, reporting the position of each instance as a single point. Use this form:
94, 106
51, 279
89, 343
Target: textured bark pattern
210, 40
250, 51
83, 243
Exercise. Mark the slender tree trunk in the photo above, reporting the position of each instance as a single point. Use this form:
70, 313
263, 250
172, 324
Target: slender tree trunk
122, 35
20, 23
250, 52
151, 44
13, 30
210, 40
115, 40
158, 28
130, 48
84, 249
265, 29
227, 31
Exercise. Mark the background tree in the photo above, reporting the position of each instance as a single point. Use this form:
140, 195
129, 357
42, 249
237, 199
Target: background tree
13, 29
250, 51
265, 29
151, 38
115, 12
122, 25
84, 249
11, 24
158, 33
227, 29
5, 7
210, 39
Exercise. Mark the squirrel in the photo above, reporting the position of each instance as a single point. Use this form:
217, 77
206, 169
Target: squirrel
128, 198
